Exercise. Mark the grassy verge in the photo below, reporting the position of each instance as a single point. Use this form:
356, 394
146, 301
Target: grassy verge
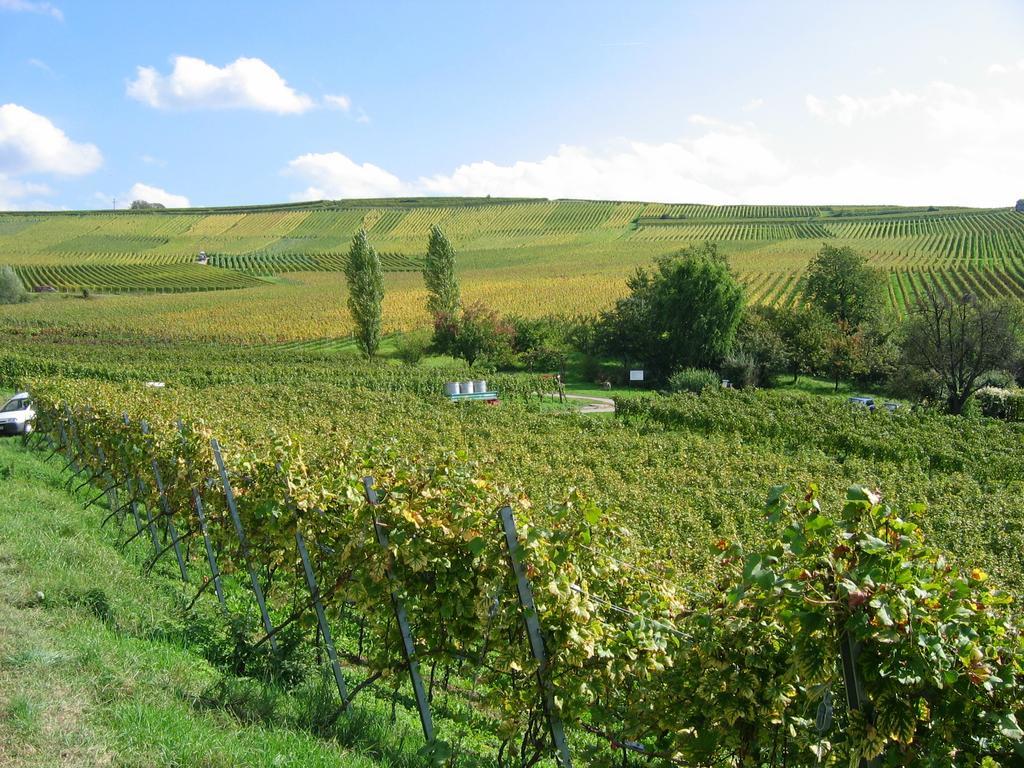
96, 667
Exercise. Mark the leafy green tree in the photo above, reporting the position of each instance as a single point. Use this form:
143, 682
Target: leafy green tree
542, 343
804, 332
365, 292
683, 313
959, 341
759, 338
11, 289
840, 283
1019, 208
847, 353
477, 332
443, 296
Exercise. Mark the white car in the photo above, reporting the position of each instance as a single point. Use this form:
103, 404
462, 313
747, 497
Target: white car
17, 415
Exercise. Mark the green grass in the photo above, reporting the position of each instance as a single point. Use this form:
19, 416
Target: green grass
95, 669
827, 388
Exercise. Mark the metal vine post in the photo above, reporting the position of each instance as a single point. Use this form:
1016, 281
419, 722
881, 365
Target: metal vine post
533, 632
229, 497
408, 647
211, 559
165, 508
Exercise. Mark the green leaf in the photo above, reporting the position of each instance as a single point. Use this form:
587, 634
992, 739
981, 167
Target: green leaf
1008, 726
477, 545
873, 545
775, 495
817, 523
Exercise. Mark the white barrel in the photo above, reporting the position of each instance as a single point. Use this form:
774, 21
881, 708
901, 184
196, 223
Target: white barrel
451, 388
466, 387
479, 385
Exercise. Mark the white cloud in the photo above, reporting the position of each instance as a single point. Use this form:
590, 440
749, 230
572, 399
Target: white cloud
151, 160
28, 6
40, 64
140, 191
22, 195
332, 175
30, 143
245, 83
344, 103
1003, 69
846, 109
753, 105
687, 169
940, 144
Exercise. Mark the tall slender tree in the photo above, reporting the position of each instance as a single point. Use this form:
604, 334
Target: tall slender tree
365, 292
443, 296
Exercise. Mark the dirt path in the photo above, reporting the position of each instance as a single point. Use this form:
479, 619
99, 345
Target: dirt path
591, 404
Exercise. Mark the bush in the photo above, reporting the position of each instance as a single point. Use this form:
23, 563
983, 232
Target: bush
413, 346
11, 289
478, 333
999, 403
740, 369
694, 380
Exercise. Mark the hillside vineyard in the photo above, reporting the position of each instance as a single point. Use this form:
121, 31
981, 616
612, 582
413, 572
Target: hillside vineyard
954, 250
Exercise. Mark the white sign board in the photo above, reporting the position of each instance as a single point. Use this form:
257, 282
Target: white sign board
636, 375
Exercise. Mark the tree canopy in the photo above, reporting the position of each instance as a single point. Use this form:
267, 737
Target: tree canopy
365, 292
683, 313
840, 283
443, 295
958, 341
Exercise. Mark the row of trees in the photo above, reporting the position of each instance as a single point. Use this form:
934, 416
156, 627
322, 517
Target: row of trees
688, 313
365, 278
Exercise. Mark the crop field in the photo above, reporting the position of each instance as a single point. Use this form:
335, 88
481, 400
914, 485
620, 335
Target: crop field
622, 522
135, 278
636, 529
523, 257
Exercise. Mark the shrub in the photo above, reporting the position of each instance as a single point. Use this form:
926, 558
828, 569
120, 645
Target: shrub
413, 346
740, 369
999, 403
11, 289
477, 333
694, 380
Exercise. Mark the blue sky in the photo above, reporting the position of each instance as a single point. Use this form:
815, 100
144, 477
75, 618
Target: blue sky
233, 103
